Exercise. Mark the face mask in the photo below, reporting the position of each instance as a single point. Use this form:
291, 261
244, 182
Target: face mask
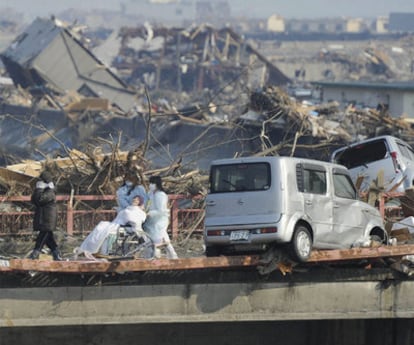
128, 183
152, 187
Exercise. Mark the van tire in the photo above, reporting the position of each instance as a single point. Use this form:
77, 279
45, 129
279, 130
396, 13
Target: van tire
376, 238
379, 235
301, 244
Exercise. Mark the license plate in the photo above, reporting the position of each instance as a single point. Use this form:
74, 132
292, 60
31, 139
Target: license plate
239, 235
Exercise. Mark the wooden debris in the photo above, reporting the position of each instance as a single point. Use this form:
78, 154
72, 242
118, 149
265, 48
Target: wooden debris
12, 180
401, 235
407, 203
361, 253
264, 266
121, 266
88, 103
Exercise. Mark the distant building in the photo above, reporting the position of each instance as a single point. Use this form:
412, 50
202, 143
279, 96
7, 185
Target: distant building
381, 25
276, 23
354, 25
296, 25
401, 22
207, 59
326, 25
397, 97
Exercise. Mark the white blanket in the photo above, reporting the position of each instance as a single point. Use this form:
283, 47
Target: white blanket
93, 243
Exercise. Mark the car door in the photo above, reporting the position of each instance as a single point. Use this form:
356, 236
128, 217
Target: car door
349, 213
317, 202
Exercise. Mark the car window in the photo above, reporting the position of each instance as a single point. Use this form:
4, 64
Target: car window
406, 151
362, 154
411, 152
311, 178
343, 186
403, 150
240, 177
314, 181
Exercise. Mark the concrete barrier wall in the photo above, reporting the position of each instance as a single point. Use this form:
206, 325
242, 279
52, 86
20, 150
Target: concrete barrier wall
188, 303
314, 332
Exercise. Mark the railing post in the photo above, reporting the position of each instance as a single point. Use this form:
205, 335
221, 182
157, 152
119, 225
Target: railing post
381, 205
174, 218
69, 215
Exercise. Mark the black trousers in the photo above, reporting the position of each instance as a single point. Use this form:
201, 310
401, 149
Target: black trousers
45, 238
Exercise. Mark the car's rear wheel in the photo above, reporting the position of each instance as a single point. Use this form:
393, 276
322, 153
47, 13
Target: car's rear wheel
301, 244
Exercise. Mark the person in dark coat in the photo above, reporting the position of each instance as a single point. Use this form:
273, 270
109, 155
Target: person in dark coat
45, 216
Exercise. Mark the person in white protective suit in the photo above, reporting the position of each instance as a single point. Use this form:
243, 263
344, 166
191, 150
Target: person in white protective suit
158, 218
131, 188
97, 240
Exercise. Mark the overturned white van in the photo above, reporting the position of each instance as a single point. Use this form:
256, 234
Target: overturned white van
367, 158
256, 202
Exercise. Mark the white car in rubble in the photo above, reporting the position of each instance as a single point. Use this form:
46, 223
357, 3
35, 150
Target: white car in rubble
387, 154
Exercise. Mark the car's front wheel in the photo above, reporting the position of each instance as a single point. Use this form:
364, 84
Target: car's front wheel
301, 244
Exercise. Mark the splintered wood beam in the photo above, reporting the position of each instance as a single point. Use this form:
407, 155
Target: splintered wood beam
361, 253
221, 262
137, 265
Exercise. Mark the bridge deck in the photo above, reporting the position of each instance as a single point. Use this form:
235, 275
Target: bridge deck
222, 262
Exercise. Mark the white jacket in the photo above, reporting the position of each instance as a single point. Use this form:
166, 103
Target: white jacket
158, 217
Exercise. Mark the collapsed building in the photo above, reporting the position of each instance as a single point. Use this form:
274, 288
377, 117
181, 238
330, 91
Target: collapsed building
191, 60
50, 58
56, 73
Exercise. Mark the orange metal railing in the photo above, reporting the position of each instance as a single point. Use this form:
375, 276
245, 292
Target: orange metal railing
78, 214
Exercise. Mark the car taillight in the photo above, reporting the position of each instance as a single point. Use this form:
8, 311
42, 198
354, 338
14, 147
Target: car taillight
264, 231
216, 233
269, 230
395, 161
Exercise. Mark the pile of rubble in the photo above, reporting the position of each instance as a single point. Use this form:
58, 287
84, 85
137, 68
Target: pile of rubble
274, 124
195, 95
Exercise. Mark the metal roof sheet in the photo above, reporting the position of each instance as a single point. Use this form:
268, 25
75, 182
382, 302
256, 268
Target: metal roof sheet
32, 41
61, 60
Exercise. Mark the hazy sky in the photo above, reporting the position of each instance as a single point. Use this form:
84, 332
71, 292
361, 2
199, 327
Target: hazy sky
253, 8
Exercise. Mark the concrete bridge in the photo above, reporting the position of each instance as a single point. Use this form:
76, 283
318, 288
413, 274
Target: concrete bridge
312, 306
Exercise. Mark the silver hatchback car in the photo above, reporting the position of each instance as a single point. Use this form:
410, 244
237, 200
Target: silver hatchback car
367, 158
257, 202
